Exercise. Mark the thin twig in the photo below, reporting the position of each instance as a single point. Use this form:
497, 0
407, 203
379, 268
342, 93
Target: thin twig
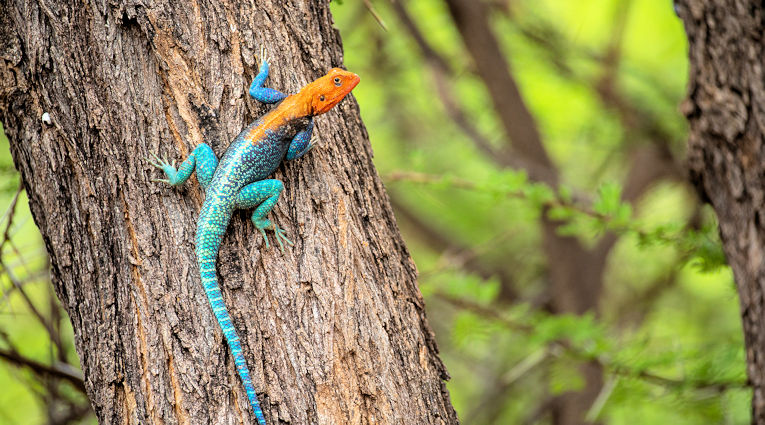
463, 255
11, 210
6, 239
67, 374
559, 348
28, 301
375, 15
547, 204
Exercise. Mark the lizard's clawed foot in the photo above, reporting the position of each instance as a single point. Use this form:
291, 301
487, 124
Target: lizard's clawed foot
167, 167
263, 56
279, 234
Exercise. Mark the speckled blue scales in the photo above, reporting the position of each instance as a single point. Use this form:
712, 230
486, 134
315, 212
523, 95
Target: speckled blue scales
238, 182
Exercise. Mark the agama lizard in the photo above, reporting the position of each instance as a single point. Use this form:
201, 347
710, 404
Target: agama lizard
239, 181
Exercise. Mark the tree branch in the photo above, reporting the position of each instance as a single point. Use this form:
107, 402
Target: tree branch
472, 21
41, 369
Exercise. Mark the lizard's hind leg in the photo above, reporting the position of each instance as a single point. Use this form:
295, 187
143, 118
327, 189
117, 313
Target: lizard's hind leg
203, 160
260, 93
263, 194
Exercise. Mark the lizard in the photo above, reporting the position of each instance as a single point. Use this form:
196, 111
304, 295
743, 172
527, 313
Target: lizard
239, 181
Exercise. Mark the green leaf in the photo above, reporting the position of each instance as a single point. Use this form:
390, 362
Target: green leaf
609, 199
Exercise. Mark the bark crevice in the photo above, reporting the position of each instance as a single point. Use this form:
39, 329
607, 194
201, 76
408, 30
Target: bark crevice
334, 330
726, 92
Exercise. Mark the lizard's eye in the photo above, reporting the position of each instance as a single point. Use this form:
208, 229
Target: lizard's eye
338, 82
321, 98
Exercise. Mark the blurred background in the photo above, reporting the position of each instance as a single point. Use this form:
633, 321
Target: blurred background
533, 152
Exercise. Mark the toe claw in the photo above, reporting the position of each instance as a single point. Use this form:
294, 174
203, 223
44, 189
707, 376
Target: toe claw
265, 237
264, 55
280, 235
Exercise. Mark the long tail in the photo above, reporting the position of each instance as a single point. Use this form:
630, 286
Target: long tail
210, 230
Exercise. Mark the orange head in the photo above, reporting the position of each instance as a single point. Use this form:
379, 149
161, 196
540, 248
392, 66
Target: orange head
327, 91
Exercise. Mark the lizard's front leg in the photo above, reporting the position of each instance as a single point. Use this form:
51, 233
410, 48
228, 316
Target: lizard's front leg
203, 160
263, 194
301, 143
260, 93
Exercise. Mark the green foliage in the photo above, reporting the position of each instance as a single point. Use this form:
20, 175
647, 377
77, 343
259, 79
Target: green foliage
564, 378
667, 333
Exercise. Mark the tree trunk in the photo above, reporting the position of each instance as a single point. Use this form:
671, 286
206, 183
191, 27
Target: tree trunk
726, 111
334, 330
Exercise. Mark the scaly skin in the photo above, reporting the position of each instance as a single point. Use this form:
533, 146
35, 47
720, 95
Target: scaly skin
239, 181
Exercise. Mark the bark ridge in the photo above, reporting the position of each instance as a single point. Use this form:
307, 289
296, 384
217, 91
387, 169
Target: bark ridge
334, 331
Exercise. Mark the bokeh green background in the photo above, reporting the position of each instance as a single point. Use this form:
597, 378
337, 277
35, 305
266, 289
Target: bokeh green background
689, 333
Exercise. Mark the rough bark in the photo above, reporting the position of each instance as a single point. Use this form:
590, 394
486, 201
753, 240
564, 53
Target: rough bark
726, 112
334, 330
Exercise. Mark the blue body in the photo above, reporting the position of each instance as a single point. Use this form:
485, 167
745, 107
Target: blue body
243, 163
239, 181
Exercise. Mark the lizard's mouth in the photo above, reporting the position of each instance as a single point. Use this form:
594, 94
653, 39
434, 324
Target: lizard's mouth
354, 80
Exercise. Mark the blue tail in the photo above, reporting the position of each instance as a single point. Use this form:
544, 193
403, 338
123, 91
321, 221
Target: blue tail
209, 235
